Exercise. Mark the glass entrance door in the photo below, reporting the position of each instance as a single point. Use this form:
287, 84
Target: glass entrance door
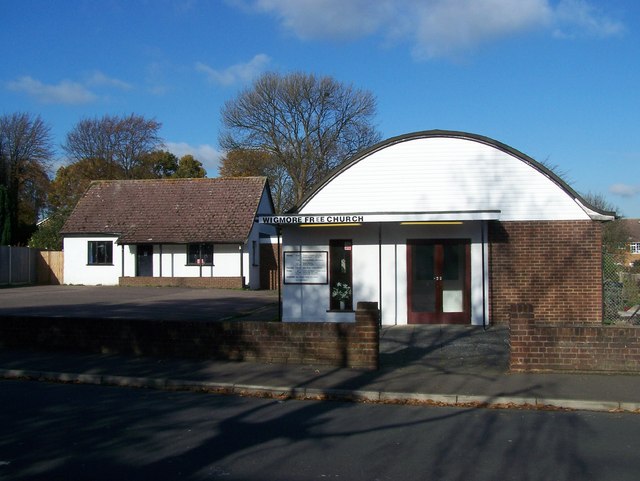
439, 281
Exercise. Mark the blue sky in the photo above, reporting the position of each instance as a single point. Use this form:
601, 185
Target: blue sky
556, 79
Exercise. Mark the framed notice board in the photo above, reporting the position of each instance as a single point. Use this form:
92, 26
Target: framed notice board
306, 267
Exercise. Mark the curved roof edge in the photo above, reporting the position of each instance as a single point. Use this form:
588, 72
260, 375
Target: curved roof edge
593, 212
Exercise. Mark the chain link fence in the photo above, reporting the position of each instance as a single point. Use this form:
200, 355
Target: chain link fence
621, 290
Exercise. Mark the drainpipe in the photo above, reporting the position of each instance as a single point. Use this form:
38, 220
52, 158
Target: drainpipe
278, 262
241, 266
484, 299
380, 273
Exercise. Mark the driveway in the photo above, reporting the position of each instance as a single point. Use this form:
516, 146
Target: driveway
158, 303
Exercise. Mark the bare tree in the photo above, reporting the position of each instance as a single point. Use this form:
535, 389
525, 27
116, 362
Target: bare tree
308, 124
25, 154
123, 141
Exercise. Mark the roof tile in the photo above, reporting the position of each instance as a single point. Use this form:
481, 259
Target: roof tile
169, 210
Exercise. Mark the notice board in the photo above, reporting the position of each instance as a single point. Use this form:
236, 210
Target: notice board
306, 267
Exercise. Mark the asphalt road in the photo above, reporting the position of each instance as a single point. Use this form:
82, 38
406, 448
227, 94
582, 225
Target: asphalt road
160, 303
82, 432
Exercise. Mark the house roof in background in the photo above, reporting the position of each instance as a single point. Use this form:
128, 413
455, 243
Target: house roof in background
633, 229
220, 210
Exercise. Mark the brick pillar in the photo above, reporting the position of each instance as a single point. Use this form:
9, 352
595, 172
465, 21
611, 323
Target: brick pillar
366, 345
521, 320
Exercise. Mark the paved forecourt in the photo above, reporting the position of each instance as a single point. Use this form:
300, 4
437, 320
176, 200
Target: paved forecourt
161, 303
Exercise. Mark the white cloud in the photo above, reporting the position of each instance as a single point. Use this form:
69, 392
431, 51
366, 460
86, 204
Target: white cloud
65, 92
238, 73
625, 190
444, 28
578, 17
205, 153
98, 78
337, 19
435, 28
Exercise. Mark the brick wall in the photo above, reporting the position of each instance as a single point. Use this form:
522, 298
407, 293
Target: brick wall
556, 266
212, 282
352, 344
571, 346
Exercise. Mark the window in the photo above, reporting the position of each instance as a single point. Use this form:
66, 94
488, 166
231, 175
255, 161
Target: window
100, 253
340, 273
200, 254
635, 247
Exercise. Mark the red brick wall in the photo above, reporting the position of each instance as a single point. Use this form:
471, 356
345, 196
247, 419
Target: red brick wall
212, 282
556, 266
539, 346
352, 344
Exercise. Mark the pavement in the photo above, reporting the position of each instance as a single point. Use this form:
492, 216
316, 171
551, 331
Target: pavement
464, 367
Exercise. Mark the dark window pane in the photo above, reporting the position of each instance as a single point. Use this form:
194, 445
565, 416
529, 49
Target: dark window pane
200, 254
193, 252
100, 252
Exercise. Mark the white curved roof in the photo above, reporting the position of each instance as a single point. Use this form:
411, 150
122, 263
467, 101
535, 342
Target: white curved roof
448, 172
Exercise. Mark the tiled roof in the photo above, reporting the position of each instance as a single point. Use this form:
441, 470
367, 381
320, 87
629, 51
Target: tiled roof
633, 229
169, 210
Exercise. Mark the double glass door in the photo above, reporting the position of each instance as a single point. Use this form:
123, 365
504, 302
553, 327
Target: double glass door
439, 281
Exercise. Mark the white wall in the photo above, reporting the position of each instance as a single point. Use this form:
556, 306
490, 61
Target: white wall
226, 258
445, 174
311, 302
226, 261
76, 269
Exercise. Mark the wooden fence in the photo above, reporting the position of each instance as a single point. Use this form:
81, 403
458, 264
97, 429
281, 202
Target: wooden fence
50, 267
24, 265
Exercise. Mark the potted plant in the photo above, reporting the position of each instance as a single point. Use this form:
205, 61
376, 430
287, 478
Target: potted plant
342, 292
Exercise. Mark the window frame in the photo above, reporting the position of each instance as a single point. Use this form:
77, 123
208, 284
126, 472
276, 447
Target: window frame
200, 255
634, 247
93, 256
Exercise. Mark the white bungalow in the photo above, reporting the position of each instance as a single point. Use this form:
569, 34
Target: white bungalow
441, 227
187, 232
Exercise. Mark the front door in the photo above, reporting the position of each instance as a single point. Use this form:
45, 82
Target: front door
144, 260
439, 281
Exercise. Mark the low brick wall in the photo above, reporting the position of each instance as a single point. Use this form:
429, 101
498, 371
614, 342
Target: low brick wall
537, 346
352, 344
212, 282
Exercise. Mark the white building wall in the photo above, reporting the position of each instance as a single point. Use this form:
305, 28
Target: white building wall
226, 261
447, 177
251, 251
226, 258
77, 270
445, 174
310, 302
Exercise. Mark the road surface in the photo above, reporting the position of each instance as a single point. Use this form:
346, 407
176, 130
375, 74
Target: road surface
86, 432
